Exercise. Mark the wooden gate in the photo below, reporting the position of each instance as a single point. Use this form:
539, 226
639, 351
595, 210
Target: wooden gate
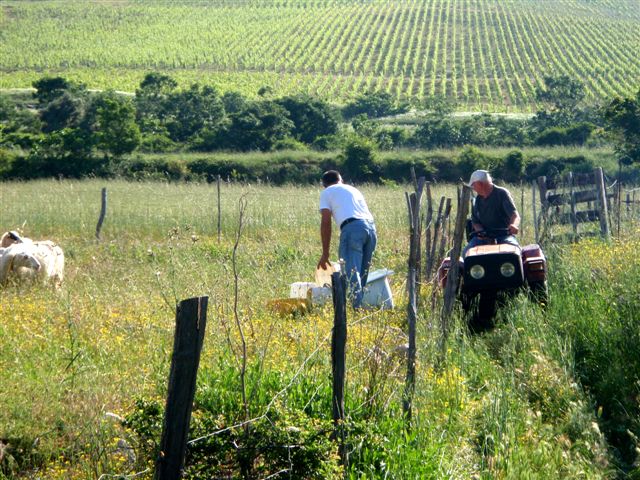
572, 199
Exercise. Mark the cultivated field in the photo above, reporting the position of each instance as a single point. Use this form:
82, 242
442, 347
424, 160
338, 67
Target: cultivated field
541, 395
484, 54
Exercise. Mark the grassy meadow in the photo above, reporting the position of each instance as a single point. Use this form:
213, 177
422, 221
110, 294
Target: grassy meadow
482, 54
83, 370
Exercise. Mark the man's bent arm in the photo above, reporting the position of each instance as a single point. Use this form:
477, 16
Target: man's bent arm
514, 223
325, 236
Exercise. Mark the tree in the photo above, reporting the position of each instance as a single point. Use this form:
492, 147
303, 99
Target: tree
560, 97
437, 133
191, 111
151, 102
438, 105
110, 122
311, 118
374, 104
365, 127
64, 111
234, 102
258, 127
49, 88
65, 152
513, 167
359, 159
561, 92
623, 119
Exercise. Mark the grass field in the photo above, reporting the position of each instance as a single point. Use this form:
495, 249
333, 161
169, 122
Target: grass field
484, 54
545, 395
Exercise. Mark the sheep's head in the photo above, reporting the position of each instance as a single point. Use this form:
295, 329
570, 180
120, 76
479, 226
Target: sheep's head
9, 238
26, 260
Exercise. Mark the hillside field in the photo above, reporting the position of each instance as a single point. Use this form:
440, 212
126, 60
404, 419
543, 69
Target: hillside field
485, 54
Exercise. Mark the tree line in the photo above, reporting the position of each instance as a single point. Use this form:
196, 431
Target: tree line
67, 130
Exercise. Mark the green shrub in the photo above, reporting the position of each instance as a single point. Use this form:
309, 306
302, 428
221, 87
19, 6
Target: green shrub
359, 160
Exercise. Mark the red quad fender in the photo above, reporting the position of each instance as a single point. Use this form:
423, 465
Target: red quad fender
534, 264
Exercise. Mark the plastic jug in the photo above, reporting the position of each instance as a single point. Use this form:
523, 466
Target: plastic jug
323, 277
300, 289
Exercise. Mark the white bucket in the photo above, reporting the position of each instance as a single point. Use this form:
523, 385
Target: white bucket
300, 289
377, 291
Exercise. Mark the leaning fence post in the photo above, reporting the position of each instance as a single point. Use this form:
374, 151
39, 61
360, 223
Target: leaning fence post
452, 277
219, 209
413, 207
427, 234
534, 212
103, 211
338, 358
602, 197
191, 320
522, 212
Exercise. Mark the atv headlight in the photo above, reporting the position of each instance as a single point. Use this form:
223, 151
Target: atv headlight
507, 269
476, 272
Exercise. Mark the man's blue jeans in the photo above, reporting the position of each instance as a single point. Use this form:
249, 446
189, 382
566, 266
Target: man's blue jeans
475, 241
358, 240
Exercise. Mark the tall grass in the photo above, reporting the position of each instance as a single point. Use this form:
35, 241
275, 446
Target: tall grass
519, 402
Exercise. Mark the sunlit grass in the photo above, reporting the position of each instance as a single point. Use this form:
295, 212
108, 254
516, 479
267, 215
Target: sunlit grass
497, 406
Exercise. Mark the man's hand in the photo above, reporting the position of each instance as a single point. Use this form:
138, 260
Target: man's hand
479, 230
324, 262
513, 230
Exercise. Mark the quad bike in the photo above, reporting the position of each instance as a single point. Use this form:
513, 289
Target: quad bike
493, 272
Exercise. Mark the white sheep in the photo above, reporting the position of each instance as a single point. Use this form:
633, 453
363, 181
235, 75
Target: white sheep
43, 260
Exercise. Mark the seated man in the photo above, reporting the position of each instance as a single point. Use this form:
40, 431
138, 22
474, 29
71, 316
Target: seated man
494, 214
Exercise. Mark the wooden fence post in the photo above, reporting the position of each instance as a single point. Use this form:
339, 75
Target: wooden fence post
413, 207
574, 209
427, 234
191, 320
436, 232
443, 237
535, 213
522, 212
452, 277
103, 211
602, 204
619, 203
338, 357
219, 209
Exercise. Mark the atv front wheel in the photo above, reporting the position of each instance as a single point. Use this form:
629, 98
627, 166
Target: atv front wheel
539, 292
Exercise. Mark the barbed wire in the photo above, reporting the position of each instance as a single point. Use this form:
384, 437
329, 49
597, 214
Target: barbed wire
323, 342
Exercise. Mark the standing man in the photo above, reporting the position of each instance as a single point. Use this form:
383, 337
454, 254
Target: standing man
357, 231
493, 212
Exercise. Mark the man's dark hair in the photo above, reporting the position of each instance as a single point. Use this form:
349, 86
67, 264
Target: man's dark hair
330, 177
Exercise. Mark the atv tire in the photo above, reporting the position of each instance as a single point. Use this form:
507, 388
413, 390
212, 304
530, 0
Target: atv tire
539, 292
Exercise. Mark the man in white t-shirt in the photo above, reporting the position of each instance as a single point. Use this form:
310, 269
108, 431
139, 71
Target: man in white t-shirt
357, 231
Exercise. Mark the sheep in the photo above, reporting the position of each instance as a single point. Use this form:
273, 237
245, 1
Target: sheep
43, 260
11, 237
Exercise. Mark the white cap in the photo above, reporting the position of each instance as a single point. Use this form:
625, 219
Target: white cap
479, 176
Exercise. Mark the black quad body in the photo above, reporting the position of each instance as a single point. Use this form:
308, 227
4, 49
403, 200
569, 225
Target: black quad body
495, 271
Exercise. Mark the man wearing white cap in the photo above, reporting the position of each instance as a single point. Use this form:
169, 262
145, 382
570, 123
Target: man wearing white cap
494, 213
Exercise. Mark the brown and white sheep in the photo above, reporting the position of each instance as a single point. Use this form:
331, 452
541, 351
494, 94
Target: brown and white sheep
43, 260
